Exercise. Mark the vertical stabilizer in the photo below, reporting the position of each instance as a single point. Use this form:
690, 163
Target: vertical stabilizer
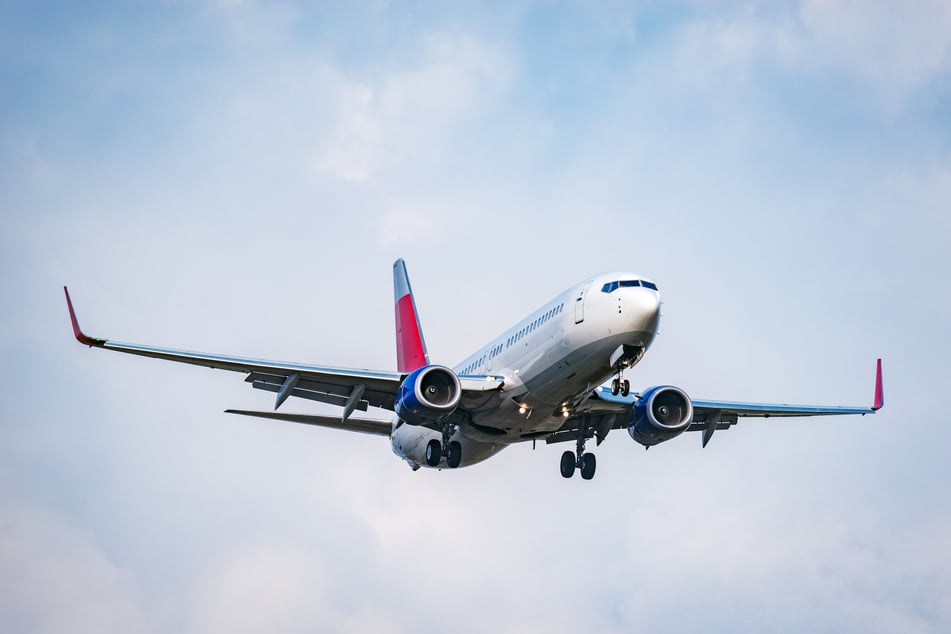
410, 346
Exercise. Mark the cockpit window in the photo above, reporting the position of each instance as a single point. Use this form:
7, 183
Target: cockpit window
610, 287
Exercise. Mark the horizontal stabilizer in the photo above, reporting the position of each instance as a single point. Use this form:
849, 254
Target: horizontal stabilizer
362, 425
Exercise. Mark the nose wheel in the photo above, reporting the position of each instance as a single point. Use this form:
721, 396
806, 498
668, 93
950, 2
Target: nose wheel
620, 386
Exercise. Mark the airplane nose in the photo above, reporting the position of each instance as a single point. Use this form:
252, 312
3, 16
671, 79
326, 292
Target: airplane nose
644, 310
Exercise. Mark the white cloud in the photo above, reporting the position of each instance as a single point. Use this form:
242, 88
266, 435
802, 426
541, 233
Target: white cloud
406, 115
407, 225
56, 578
266, 588
890, 47
896, 45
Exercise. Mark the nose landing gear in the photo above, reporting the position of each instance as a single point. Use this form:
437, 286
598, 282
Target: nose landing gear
624, 357
619, 385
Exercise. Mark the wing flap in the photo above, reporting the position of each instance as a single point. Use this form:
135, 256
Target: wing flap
320, 397
315, 389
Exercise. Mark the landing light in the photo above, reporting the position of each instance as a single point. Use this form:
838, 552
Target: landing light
521, 409
565, 413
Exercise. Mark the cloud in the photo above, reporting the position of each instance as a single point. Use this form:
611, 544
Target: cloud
401, 226
894, 45
406, 115
891, 48
56, 577
264, 588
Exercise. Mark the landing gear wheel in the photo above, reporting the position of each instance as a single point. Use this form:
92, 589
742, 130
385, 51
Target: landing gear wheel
625, 387
588, 464
455, 454
433, 453
615, 387
568, 464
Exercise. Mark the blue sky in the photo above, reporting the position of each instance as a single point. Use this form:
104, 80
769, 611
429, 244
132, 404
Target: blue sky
239, 177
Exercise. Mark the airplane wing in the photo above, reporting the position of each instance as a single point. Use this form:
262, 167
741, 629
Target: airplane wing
348, 388
607, 411
363, 425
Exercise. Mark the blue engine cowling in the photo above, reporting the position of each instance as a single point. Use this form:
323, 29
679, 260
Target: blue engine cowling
661, 413
428, 394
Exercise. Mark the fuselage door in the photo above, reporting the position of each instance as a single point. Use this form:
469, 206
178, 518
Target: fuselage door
579, 304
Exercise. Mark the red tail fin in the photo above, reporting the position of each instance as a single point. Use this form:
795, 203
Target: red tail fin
410, 346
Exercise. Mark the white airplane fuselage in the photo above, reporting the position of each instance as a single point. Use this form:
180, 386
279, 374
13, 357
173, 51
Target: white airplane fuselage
549, 361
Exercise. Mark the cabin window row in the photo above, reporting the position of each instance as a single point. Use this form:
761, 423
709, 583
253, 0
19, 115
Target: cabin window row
472, 367
539, 321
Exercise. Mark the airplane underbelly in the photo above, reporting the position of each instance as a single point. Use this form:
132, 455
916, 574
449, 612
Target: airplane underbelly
409, 442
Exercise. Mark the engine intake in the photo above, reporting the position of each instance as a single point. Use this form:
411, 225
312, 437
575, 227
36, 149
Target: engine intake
661, 413
428, 394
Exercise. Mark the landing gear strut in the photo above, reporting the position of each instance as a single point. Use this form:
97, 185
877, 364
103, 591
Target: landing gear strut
585, 462
450, 449
620, 385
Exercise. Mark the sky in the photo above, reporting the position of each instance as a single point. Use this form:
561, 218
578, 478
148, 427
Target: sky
238, 177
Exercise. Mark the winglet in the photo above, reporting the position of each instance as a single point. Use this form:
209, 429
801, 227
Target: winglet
80, 336
879, 392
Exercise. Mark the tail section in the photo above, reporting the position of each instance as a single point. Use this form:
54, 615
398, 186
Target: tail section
410, 347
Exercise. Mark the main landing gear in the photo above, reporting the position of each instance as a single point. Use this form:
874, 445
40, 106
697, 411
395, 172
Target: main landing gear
450, 449
578, 459
587, 464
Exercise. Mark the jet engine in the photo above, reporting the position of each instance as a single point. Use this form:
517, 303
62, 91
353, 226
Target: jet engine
661, 413
428, 394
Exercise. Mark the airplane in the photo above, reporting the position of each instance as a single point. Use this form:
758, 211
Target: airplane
545, 378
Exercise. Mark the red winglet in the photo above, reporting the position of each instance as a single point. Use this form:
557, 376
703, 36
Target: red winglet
879, 392
80, 336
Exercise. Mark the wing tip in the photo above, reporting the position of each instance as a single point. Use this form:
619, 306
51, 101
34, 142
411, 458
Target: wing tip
879, 388
81, 337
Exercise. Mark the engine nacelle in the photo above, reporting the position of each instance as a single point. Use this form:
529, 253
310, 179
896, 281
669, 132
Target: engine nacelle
427, 394
660, 414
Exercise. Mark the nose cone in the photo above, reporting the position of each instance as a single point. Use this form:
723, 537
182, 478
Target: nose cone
643, 310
